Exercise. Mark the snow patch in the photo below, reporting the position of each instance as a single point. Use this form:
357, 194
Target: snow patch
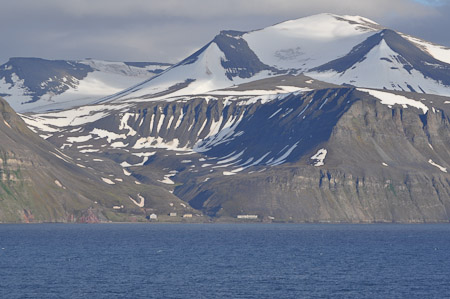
228, 173
160, 123
167, 177
305, 43
388, 98
141, 202
158, 142
443, 169
118, 144
89, 150
108, 181
319, 157
146, 154
79, 139
110, 136
58, 183
124, 124
275, 113
59, 157
126, 164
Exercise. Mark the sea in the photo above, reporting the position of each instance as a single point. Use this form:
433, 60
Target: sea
224, 261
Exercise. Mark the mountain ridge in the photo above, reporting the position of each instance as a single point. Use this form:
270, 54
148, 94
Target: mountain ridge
306, 45
245, 126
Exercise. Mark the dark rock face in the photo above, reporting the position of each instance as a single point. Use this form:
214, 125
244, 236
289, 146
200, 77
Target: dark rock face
310, 195
240, 61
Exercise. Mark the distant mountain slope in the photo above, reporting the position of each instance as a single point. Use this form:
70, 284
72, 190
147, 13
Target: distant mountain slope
34, 84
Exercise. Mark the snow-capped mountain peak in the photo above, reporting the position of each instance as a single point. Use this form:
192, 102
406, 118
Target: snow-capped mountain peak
386, 60
350, 50
296, 45
309, 42
326, 26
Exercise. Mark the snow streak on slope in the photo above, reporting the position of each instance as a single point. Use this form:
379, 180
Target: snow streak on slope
309, 42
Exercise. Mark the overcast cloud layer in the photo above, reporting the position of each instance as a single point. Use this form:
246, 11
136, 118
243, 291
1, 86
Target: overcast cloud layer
169, 30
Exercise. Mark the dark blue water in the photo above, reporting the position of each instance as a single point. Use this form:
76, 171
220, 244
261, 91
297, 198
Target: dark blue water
224, 261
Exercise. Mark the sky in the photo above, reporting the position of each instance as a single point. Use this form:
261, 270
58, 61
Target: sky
170, 30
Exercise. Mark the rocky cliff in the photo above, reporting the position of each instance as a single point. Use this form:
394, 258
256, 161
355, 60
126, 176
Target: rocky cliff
334, 154
382, 165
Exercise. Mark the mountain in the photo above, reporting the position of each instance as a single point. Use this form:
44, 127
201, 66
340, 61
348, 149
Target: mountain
40, 183
348, 50
286, 123
330, 154
34, 84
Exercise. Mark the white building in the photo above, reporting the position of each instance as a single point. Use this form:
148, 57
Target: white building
252, 217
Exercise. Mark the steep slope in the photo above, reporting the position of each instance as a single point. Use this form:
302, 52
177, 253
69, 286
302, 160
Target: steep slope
41, 183
33, 84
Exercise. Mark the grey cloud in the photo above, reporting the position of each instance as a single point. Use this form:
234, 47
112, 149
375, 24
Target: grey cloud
206, 9
171, 29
